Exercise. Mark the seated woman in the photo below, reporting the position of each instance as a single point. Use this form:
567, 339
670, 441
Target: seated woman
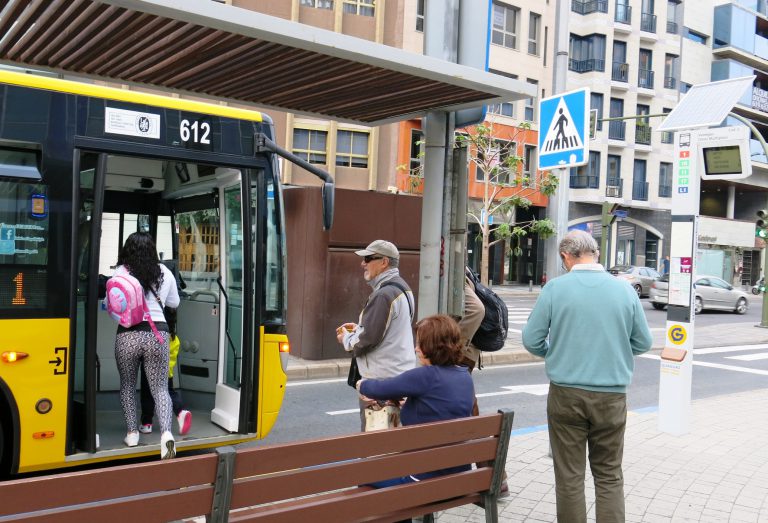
438, 390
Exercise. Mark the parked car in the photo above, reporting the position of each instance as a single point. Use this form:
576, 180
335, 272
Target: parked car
710, 293
640, 278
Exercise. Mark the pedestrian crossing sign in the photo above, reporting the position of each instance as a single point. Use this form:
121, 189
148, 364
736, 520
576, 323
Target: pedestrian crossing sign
564, 130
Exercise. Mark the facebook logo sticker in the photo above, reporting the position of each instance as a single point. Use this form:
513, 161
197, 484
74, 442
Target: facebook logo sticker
7, 240
682, 189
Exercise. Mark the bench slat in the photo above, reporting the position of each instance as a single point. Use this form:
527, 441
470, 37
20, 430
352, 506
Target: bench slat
410, 498
158, 507
37, 493
268, 459
303, 482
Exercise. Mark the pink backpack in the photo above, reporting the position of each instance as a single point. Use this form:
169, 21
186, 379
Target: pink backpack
125, 302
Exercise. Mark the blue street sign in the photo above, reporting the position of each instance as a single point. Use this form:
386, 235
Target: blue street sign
620, 214
564, 130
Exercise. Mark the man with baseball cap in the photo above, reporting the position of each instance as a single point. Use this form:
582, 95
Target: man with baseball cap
382, 340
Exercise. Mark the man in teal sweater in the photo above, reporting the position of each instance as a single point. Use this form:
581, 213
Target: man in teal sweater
587, 325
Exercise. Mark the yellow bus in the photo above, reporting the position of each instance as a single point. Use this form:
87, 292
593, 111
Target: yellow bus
83, 166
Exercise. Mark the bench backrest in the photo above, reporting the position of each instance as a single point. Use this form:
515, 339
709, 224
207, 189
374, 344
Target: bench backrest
273, 476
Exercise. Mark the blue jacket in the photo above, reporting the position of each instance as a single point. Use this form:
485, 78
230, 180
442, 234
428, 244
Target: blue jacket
588, 325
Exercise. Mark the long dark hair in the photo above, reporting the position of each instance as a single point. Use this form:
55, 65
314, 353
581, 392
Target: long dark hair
139, 256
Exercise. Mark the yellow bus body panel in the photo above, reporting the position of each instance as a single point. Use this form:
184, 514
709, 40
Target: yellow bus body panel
272, 381
44, 374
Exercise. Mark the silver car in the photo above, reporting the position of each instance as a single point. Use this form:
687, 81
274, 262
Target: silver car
640, 278
711, 293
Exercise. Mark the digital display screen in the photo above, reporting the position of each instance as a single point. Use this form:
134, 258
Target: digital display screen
722, 160
23, 287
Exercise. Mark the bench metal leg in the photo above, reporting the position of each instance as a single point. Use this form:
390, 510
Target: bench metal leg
491, 508
428, 518
222, 488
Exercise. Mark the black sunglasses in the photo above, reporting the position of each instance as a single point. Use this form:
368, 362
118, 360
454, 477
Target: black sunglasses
369, 259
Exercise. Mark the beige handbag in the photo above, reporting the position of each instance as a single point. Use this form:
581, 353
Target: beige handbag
380, 417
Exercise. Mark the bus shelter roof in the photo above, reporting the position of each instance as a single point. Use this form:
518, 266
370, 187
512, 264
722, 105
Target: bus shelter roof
223, 52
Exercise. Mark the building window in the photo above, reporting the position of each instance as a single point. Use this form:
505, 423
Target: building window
506, 25
672, 16
696, 37
311, 145
596, 103
530, 104
318, 4
665, 180
498, 151
420, 16
417, 150
359, 7
645, 69
504, 109
352, 148
529, 165
670, 71
587, 176
587, 53
666, 136
639, 185
534, 30
613, 183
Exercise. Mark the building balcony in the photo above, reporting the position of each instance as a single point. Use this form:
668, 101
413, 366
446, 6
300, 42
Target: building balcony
648, 22
584, 182
669, 82
645, 78
620, 72
667, 137
585, 66
614, 187
672, 28
586, 7
623, 14
617, 130
665, 191
640, 191
642, 134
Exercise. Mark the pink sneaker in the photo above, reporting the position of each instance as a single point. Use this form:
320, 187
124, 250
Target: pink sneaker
185, 421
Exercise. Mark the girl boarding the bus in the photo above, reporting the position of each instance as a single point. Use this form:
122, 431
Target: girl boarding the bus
138, 258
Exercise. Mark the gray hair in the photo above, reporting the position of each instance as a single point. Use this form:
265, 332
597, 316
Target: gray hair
393, 262
578, 243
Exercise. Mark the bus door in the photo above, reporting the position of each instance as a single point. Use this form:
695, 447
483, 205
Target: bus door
217, 318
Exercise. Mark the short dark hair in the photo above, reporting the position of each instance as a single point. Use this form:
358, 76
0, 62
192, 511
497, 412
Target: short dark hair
439, 339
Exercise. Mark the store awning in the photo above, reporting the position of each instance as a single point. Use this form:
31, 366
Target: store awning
222, 52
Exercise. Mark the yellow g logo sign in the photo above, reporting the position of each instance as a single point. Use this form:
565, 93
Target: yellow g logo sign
677, 334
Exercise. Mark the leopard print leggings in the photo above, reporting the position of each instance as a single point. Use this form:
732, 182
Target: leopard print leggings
130, 348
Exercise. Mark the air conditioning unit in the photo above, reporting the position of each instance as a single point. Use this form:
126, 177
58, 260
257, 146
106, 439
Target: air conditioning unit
613, 191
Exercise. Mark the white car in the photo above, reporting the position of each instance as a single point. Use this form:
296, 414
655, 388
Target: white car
711, 293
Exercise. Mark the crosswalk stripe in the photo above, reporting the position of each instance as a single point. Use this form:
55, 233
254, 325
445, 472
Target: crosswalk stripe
749, 357
735, 348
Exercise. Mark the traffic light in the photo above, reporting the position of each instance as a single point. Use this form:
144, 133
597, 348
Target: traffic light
761, 224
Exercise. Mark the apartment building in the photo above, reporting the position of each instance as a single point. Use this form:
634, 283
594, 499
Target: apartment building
639, 57
628, 53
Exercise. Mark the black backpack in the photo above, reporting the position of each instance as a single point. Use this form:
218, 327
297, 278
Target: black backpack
492, 333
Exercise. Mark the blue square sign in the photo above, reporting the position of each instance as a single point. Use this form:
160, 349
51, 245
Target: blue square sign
564, 130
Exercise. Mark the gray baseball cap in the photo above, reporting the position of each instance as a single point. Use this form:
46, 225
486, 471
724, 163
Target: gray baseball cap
382, 248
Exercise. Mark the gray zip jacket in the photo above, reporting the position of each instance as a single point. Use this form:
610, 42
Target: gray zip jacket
383, 340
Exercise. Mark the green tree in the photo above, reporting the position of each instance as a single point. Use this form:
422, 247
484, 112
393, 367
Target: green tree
507, 186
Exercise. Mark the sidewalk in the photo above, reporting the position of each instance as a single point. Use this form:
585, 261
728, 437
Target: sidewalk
740, 333
718, 472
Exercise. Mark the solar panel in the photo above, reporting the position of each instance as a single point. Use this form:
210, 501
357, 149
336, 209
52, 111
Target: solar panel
706, 105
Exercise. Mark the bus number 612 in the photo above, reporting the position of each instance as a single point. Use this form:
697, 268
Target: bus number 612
198, 132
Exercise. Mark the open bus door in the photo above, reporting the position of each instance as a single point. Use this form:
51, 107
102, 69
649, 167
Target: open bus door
215, 232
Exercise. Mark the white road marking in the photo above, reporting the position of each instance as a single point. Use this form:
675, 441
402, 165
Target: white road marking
515, 330
314, 382
734, 348
346, 411
715, 365
749, 357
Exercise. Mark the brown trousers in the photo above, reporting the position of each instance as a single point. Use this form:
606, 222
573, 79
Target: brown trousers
580, 419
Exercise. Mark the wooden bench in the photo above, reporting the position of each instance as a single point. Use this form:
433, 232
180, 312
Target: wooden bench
313, 481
